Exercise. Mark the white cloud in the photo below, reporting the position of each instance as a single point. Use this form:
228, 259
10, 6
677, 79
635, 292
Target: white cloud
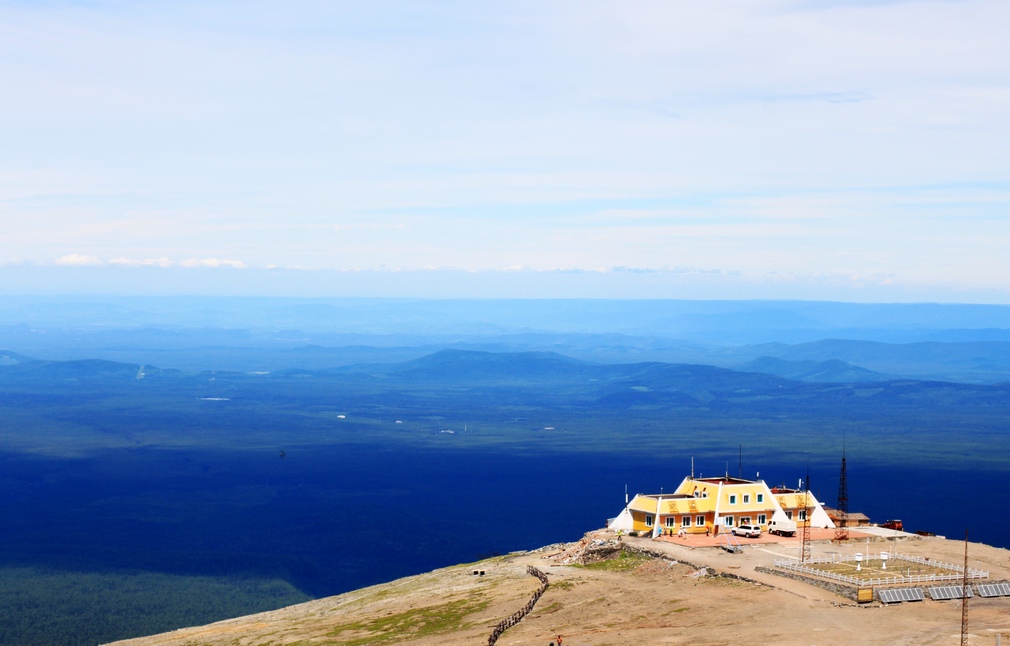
213, 263
79, 260
147, 262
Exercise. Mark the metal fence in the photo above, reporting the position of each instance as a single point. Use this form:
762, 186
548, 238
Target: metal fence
956, 571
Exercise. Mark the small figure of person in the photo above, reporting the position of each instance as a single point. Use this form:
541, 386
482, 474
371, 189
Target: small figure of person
708, 530
559, 640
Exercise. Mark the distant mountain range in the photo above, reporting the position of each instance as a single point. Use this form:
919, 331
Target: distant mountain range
668, 384
534, 379
821, 342
830, 371
827, 361
322, 319
8, 358
978, 362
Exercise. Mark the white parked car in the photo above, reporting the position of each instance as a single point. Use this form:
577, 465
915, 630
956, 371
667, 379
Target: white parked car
750, 531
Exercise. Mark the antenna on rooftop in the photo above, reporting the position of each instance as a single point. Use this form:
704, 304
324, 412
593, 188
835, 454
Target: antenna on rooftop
625, 494
692, 467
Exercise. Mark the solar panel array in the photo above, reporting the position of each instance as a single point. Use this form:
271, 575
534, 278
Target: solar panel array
947, 592
897, 595
988, 590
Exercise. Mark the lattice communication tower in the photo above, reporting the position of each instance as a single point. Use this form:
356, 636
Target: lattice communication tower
964, 595
805, 519
842, 526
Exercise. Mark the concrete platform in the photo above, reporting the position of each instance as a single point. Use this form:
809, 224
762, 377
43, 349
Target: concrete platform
885, 533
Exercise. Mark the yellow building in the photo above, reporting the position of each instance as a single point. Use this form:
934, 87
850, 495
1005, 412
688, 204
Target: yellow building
706, 505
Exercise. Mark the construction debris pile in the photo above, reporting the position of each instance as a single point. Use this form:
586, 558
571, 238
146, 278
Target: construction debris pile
593, 548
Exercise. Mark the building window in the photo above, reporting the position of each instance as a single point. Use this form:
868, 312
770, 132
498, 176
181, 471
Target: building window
789, 515
803, 514
704, 494
745, 520
762, 519
761, 497
732, 499
746, 498
699, 521
648, 520
671, 521
685, 521
727, 521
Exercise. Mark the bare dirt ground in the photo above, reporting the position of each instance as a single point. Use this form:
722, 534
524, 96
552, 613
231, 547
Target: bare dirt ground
628, 601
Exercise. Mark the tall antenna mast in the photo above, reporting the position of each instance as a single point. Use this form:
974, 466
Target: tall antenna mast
964, 594
805, 545
842, 528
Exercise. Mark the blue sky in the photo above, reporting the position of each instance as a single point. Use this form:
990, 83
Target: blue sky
666, 149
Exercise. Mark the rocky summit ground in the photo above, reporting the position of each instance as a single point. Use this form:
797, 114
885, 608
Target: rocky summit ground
600, 595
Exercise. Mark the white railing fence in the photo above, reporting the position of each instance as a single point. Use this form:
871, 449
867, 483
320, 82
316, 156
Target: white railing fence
956, 571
